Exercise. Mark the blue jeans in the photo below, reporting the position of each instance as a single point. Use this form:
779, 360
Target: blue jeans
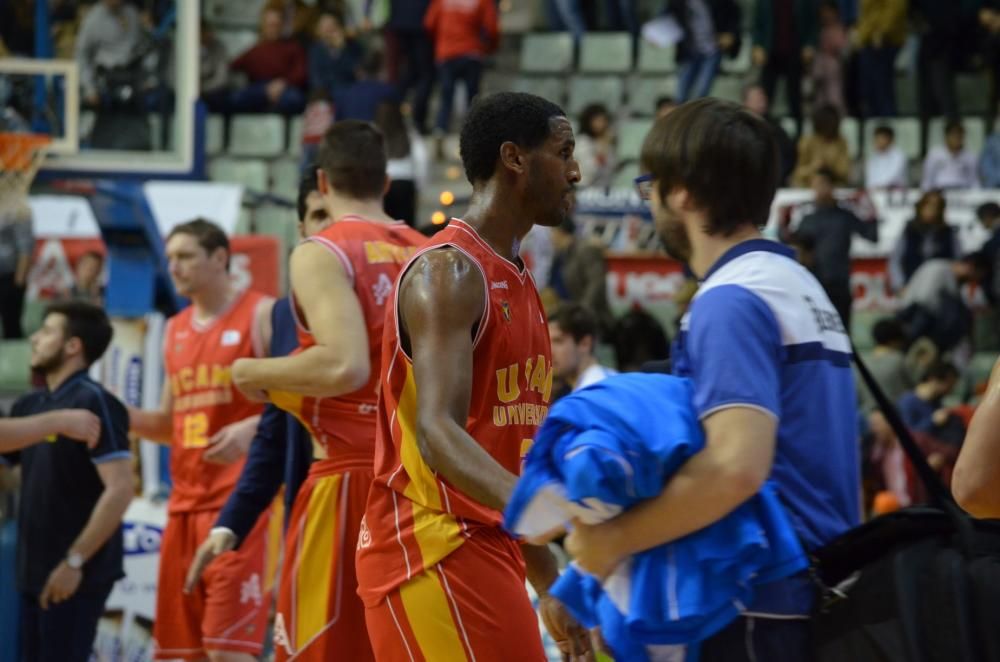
696, 74
253, 99
466, 69
567, 15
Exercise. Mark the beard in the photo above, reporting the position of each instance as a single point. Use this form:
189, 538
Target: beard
674, 236
48, 364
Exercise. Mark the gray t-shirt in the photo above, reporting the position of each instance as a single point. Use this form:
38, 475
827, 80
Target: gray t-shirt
930, 284
16, 239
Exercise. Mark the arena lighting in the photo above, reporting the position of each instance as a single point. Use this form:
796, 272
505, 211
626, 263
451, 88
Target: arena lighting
447, 198
438, 217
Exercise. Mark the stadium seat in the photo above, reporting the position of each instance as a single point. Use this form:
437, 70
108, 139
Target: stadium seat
973, 95
741, 63
986, 331
295, 136
243, 224
15, 366
547, 53
215, 134
277, 222
656, 60
33, 315
285, 176
631, 134
256, 135
643, 93
975, 133
249, 172
584, 91
851, 130
606, 53
907, 131
729, 88
549, 87
906, 95
244, 13
237, 41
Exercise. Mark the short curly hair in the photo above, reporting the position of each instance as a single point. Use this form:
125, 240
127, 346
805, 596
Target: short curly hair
516, 117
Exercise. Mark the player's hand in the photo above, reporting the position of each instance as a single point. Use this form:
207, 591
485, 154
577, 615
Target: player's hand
61, 585
571, 637
274, 89
243, 379
78, 424
231, 442
217, 542
594, 548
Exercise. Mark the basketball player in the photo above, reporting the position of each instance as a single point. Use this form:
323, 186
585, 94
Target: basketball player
209, 424
466, 381
341, 281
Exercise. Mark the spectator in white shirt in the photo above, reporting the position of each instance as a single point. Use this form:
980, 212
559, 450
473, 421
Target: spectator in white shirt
951, 166
573, 331
886, 167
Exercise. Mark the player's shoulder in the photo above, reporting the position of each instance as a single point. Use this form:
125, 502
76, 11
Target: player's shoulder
90, 394
27, 403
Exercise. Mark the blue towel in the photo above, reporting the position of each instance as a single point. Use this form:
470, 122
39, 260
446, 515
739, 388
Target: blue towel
611, 445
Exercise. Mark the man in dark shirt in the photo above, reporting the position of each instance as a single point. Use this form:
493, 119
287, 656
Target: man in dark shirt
826, 235
72, 497
281, 450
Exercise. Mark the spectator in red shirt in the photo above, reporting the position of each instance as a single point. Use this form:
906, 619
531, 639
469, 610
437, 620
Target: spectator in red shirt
276, 68
464, 32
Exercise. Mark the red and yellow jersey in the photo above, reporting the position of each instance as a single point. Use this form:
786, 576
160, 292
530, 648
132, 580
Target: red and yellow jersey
372, 253
198, 358
414, 518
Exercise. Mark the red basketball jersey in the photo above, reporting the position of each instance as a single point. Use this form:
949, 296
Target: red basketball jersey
372, 254
414, 518
198, 358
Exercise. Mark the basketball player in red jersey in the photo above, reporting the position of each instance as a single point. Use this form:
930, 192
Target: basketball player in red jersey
466, 381
341, 281
209, 424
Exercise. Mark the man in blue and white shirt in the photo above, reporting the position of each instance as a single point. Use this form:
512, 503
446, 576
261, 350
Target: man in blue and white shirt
770, 361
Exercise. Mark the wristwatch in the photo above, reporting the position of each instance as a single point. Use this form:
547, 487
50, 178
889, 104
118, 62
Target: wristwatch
74, 560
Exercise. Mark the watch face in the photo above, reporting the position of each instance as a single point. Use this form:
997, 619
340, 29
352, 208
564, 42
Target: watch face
74, 561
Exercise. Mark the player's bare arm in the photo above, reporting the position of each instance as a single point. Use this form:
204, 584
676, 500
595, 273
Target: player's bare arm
338, 363
77, 424
737, 459
441, 300
542, 571
977, 470
154, 424
105, 519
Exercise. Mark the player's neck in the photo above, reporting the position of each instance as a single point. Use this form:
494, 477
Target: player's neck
212, 300
494, 217
57, 377
585, 364
707, 249
370, 210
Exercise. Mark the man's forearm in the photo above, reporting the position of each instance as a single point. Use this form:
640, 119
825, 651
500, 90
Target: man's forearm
313, 372
152, 425
540, 566
18, 433
104, 520
449, 450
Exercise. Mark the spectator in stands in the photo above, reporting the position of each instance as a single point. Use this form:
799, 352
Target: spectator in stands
664, 105
17, 244
579, 272
464, 32
213, 67
640, 342
888, 364
109, 41
333, 58
408, 165
595, 147
298, 18
989, 22
946, 46
989, 216
416, 55
950, 166
784, 42
89, 278
989, 161
922, 409
574, 332
276, 69
827, 233
711, 30
825, 148
932, 304
361, 100
886, 167
755, 100
828, 65
881, 32
925, 237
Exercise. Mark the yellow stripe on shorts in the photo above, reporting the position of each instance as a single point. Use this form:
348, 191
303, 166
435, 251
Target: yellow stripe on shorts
430, 619
317, 559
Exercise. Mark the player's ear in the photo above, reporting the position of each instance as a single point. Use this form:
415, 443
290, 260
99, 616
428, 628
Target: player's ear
385, 187
512, 158
322, 183
73, 346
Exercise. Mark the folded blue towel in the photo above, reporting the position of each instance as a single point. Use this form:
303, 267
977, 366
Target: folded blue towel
611, 445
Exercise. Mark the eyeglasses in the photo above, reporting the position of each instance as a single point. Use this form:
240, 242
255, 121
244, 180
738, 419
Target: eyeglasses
644, 185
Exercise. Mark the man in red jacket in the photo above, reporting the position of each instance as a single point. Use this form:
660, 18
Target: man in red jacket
464, 32
276, 67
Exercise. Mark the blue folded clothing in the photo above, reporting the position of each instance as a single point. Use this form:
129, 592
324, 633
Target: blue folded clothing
611, 445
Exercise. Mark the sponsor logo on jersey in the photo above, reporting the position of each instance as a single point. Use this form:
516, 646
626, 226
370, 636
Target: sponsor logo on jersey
499, 285
231, 337
505, 309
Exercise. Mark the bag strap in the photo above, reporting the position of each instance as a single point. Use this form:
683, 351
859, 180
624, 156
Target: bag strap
938, 493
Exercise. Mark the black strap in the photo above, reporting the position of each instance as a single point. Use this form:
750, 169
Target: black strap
936, 490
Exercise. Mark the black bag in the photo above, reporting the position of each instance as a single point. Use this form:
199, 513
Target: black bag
918, 585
